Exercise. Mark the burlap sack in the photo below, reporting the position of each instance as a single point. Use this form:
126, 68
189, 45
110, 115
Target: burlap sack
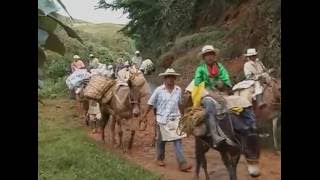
107, 96
97, 86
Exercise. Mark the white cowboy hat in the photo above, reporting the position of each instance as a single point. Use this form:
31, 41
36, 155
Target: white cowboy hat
169, 72
251, 52
91, 55
137, 52
76, 57
209, 48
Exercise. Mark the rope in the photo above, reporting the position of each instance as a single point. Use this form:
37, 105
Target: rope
192, 118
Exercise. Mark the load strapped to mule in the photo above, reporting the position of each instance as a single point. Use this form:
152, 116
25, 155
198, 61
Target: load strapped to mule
191, 119
194, 116
99, 88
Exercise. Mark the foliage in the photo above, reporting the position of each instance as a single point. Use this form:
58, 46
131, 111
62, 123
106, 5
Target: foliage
176, 26
103, 40
53, 88
198, 39
154, 22
47, 23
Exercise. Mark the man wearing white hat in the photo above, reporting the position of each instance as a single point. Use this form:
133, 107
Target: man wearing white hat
137, 60
118, 66
93, 61
255, 70
216, 79
124, 73
213, 75
77, 63
166, 99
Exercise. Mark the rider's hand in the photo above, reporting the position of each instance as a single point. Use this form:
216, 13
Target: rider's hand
271, 70
219, 84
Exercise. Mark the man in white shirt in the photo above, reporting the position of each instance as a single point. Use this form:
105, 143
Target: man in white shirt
166, 99
137, 60
255, 70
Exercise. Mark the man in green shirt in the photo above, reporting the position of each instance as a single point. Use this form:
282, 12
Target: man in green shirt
216, 78
214, 75
211, 71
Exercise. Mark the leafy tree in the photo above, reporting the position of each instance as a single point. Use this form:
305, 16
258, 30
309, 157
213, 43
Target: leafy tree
47, 24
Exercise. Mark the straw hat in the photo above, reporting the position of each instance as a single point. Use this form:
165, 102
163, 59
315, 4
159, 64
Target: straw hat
169, 72
76, 57
251, 52
209, 48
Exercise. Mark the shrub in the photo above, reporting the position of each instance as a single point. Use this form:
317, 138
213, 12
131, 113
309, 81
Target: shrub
53, 88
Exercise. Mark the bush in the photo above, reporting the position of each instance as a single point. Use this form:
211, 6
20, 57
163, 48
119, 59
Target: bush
199, 39
57, 68
53, 88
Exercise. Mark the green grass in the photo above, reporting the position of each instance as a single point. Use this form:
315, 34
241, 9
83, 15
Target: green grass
66, 153
209, 35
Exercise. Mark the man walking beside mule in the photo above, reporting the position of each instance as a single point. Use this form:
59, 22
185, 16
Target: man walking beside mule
167, 100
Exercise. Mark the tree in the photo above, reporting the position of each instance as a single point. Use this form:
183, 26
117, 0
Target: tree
47, 23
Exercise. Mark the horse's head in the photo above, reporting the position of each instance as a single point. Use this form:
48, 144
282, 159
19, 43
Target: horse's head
138, 89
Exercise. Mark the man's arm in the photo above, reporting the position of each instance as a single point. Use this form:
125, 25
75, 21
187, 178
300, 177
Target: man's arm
198, 76
247, 68
148, 110
151, 102
224, 76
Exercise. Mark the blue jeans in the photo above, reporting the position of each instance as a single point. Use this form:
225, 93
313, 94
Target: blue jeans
160, 147
249, 118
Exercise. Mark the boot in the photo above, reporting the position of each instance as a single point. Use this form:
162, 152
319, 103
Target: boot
260, 103
185, 167
216, 139
212, 123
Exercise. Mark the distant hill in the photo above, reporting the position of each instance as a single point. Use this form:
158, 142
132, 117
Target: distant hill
103, 39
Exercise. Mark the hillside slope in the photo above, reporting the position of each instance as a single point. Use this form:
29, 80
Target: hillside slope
247, 24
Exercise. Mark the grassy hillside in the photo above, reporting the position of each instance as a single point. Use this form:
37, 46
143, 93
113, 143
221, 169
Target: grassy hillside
66, 152
103, 40
240, 25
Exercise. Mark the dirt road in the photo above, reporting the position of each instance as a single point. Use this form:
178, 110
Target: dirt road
144, 155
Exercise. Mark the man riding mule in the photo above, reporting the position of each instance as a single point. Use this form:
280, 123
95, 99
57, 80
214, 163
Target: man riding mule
262, 90
257, 75
210, 79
